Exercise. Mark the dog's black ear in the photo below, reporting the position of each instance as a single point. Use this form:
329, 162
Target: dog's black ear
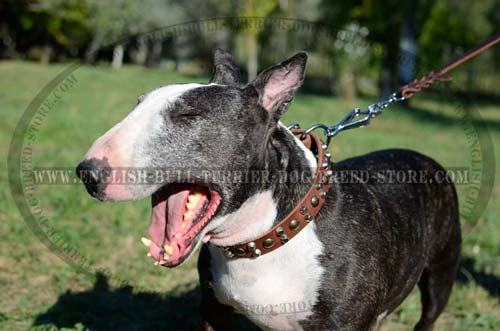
226, 71
277, 85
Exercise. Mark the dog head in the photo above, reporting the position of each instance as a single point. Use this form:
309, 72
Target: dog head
178, 136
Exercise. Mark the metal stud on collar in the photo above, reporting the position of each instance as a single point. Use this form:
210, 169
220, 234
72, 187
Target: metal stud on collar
251, 246
301, 214
294, 224
268, 243
228, 253
240, 252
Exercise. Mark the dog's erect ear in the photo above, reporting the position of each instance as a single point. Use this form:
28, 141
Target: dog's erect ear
277, 85
226, 71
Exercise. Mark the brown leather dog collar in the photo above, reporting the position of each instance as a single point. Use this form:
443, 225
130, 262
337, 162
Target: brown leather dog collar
304, 213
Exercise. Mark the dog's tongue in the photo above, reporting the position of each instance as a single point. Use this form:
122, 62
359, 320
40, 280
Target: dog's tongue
167, 217
176, 207
173, 216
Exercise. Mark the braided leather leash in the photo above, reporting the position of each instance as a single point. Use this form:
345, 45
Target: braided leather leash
358, 118
417, 85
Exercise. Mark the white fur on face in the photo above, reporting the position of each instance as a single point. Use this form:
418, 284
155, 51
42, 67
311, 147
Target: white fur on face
123, 146
146, 118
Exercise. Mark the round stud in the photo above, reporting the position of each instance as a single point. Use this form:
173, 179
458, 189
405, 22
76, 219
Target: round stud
251, 246
303, 210
240, 252
314, 201
324, 146
284, 239
229, 253
319, 186
324, 179
257, 253
309, 218
294, 224
325, 164
268, 243
329, 172
323, 194
328, 155
280, 231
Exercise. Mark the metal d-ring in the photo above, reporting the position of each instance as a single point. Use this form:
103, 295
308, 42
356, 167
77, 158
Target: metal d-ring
312, 128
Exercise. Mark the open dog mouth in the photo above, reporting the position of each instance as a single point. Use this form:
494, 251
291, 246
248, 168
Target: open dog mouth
180, 213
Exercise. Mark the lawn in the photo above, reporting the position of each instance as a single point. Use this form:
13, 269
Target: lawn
39, 291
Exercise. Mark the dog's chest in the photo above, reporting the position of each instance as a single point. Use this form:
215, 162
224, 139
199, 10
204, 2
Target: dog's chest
277, 290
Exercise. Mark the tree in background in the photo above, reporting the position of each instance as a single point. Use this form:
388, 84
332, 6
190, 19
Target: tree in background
451, 27
114, 21
257, 9
46, 24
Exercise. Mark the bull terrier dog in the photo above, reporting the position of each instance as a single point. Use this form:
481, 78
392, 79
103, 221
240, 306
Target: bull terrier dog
287, 257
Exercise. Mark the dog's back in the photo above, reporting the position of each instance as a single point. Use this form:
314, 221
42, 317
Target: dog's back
391, 221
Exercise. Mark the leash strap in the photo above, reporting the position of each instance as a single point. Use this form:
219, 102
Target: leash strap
303, 213
358, 118
417, 85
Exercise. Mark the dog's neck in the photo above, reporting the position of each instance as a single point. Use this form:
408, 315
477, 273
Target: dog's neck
291, 168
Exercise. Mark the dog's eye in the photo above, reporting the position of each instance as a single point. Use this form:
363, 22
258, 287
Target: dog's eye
185, 113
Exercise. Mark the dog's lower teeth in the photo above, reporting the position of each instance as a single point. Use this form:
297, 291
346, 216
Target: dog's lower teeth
146, 241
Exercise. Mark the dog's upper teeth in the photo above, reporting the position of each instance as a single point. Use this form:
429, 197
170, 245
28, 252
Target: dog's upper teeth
193, 198
169, 249
146, 241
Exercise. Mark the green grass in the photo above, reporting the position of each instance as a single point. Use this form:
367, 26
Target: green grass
39, 291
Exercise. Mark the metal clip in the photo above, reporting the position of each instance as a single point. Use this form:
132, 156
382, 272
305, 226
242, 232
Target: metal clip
351, 121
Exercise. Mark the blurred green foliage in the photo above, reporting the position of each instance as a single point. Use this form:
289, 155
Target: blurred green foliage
94, 30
